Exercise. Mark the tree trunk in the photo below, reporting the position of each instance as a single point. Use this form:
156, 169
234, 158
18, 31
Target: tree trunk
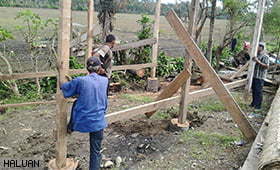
211, 31
12, 83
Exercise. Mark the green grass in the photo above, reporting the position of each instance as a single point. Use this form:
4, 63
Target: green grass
123, 22
209, 104
209, 139
136, 98
4, 116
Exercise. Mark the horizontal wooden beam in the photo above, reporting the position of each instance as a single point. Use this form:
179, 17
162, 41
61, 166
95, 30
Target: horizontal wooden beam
136, 44
17, 76
165, 103
194, 96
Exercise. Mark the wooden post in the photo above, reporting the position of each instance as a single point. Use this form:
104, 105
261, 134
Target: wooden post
188, 65
156, 35
255, 45
90, 29
63, 67
222, 92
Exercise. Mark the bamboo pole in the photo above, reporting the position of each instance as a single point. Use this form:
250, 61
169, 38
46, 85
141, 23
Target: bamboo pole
224, 95
255, 45
63, 67
188, 65
90, 29
156, 35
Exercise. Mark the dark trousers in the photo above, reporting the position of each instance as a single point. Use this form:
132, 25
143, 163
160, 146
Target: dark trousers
104, 75
257, 90
95, 139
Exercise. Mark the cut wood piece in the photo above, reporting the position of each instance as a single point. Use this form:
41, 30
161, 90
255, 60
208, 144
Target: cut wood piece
222, 92
165, 103
153, 85
271, 82
270, 157
240, 71
136, 44
172, 88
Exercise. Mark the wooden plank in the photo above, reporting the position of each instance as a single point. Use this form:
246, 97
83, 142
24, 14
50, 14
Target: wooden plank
17, 76
241, 70
196, 95
188, 65
165, 103
224, 95
90, 29
172, 88
63, 67
156, 36
253, 158
136, 44
255, 45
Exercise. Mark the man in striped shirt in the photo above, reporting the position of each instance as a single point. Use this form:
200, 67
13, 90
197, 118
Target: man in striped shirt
262, 64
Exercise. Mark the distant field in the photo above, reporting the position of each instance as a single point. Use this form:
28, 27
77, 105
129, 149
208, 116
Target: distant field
125, 24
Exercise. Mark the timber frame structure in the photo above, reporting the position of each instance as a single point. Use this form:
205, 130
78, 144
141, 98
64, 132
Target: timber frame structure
164, 99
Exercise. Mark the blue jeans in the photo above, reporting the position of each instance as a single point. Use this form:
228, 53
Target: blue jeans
257, 90
95, 139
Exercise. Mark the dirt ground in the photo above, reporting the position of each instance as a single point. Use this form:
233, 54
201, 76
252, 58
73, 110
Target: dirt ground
211, 142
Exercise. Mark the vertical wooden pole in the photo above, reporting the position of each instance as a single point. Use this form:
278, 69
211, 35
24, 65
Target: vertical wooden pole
188, 65
156, 35
63, 67
90, 29
255, 45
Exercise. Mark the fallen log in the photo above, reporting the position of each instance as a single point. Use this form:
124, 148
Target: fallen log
253, 158
270, 157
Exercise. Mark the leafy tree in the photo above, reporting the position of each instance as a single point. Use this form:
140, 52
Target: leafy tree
272, 24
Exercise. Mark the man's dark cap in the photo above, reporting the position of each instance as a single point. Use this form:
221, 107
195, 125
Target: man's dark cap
93, 61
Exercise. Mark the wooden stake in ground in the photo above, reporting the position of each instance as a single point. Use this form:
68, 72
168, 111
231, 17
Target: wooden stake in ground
255, 45
90, 29
156, 36
188, 65
218, 86
63, 67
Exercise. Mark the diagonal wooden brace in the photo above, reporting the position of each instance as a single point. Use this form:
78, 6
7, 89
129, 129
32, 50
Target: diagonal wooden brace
222, 92
172, 88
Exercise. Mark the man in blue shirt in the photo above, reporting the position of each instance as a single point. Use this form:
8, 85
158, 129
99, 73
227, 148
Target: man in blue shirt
88, 113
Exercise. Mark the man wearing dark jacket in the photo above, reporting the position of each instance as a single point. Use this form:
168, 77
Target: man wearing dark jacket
88, 113
262, 64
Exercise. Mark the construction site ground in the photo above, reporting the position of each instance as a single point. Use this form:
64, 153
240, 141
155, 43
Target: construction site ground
212, 142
